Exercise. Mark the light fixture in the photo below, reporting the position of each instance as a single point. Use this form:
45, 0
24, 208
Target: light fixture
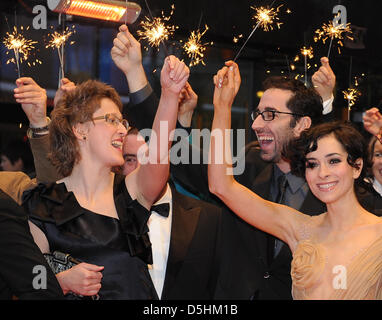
109, 10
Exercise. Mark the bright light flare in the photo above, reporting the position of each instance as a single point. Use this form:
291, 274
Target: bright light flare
194, 47
351, 95
156, 30
266, 18
330, 31
20, 45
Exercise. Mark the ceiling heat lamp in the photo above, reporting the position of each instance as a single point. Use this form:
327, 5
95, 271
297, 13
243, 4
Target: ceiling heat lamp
109, 10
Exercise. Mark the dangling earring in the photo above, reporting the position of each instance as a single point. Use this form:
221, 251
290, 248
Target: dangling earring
84, 137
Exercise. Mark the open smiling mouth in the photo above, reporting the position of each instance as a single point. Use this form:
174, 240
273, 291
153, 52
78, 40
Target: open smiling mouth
265, 140
117, 144
326, 186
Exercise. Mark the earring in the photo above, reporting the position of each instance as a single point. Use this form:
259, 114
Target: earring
84, 137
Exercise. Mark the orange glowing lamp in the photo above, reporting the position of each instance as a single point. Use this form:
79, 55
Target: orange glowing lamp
109, 10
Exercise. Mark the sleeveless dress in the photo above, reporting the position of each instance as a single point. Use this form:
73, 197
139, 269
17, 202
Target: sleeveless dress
120, 245
362, 273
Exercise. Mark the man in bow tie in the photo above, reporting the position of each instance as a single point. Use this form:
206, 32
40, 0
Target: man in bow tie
183, 232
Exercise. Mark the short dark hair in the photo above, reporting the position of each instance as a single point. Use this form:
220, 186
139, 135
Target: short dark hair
133, 131
304, 101
17, 149
345, 133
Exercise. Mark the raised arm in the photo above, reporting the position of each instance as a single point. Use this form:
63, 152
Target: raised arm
324, 81
188, 100
147, 182
33, 102
272, 218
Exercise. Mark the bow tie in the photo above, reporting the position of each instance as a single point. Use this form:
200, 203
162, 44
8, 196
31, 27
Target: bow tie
163, 209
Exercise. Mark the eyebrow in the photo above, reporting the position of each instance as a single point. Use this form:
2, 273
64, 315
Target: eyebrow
270, 109
327, 156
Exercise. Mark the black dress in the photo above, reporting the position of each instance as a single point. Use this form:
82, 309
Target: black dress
121, 246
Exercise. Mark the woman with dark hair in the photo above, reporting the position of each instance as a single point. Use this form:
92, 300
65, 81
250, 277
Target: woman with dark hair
336, 255
97, 216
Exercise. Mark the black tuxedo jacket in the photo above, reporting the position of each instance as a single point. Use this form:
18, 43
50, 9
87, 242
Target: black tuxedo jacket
193, 260
19, 255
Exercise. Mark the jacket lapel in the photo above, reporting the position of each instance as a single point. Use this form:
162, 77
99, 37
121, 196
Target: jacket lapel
262, 187
184, 222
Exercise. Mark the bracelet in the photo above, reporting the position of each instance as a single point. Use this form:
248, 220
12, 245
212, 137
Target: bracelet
40, 131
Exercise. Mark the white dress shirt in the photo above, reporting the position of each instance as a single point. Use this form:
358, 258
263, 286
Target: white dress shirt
328, 105
160, 234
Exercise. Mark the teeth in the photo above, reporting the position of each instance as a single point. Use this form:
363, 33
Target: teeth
117, 144
326, 186
266, 138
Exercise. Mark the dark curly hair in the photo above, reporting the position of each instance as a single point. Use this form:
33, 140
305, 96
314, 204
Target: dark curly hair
77, 106
345, 133
305, 101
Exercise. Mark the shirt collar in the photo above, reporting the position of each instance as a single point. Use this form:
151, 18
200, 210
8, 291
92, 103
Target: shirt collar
377, 186
295, 183
166, 198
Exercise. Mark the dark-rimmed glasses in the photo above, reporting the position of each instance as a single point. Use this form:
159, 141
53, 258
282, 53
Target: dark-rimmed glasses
269, 115
113, 119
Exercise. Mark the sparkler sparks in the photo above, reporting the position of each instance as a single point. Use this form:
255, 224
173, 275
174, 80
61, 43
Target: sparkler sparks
307, 52
236, 39
265, 17
329, 30
21, 46
156, 30
194, 48
351, 95
57, 41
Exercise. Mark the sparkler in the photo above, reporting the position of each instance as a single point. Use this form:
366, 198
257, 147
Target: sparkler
265, 19
21, 47
156, 30
333, 32
307, 53
351, 95
195, 48
57, 41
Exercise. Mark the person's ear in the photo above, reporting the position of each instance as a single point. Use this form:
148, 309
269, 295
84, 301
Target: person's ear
302, 124
80, 130
358, 168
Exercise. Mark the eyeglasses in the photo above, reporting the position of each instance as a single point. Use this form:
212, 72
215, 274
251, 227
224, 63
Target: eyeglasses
269, 115
112, 119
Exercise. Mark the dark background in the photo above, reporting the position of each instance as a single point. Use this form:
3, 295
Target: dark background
267, 53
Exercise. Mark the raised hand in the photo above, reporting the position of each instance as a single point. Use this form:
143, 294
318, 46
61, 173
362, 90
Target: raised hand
33, 101
188, 100
227, 83
65, 86
126, 52
127, 56
372, 121
84, 279
174, 75
324, 80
